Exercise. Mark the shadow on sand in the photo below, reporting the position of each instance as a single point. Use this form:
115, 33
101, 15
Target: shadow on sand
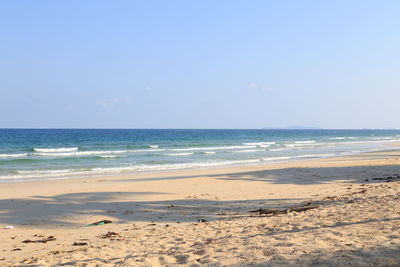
300, 176
125, 207
57, 210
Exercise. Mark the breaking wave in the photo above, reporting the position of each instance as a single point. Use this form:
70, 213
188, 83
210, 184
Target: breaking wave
55, 150
13, 155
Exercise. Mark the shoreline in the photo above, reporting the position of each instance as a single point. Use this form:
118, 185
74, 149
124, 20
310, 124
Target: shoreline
259, 162
335, 161
203, 216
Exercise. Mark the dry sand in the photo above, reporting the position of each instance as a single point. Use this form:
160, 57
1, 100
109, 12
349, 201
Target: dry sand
203, 218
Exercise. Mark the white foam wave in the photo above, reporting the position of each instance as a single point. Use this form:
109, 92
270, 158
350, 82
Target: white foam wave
211, 148
147, 150
209, 152
262, 144
108, 156
167, 167
193, 148
81, 153
46, 171
153, 146
180, 154
246, 151
55, 150
277, 149
372, 141
300, 144
13, 155
291, 145
38, 174
275, 158
337, 138
360, 142
48, 174
305, 142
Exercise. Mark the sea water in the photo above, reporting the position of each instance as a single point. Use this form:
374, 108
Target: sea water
37, 154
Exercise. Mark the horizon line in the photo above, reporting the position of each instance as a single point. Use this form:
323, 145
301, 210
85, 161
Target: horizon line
269, 128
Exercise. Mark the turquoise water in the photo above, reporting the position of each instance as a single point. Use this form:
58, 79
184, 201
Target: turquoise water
31, 154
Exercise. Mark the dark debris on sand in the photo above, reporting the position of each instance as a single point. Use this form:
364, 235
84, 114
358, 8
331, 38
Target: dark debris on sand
44, 240
283, 211
112, 236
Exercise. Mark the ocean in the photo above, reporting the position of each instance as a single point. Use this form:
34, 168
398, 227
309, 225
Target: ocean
38, 154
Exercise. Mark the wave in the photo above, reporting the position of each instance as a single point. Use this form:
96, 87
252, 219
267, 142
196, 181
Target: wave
300, 144
153, 146
180, 154
13, 155
48, 174
261, 144
211, 148
382, 138
168, 167
291, 145
208, 152
192, 165
246, 151
193, 149
108, 156
337, 138
275, 158
277, 149
75, 153
45, 171
55, 150
373, 141
147, 150
81, 153
361, 142
305, 142
65, 173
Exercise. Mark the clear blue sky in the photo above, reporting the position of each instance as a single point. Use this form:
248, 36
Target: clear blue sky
200, 64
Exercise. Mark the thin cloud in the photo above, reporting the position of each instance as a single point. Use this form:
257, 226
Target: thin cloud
109, 103
259, 88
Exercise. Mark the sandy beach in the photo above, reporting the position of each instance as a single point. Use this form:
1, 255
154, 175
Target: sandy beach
199, 133
205, 218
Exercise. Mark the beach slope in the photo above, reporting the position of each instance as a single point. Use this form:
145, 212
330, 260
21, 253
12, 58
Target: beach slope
333, 212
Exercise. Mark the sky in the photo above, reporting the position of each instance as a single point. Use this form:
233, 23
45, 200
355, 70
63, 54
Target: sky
199, 64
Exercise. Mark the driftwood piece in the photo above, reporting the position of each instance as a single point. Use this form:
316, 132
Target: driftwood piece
80, 244
45, 240
283, 211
